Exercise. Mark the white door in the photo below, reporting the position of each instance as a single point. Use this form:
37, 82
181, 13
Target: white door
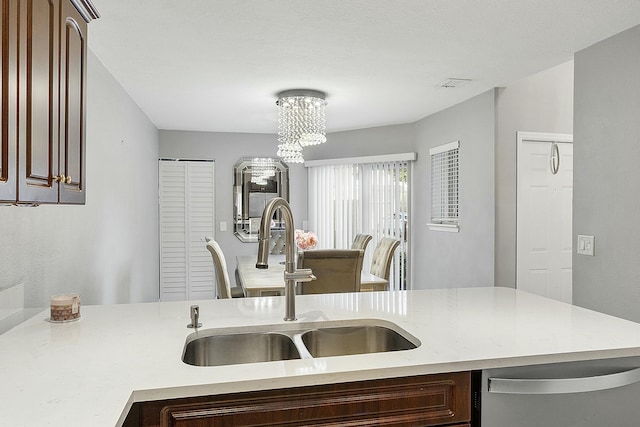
544, 210
186, 217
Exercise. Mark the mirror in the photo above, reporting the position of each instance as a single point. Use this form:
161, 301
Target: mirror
256, 181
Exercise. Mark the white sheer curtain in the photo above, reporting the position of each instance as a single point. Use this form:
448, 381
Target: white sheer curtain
335, 205
372, 198
386, 201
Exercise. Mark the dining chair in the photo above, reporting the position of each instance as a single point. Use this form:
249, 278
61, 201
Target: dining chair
382, 257
336, 270
223, 286
361, 241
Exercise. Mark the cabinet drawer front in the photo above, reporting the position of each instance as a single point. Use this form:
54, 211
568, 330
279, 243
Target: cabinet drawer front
428, 400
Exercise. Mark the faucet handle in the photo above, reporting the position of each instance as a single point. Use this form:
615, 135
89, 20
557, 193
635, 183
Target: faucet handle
301, 275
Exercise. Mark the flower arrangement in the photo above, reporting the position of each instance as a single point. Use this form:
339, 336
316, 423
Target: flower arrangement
306, 239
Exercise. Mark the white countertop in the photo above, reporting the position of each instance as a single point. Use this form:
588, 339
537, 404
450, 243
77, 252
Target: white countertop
90, 371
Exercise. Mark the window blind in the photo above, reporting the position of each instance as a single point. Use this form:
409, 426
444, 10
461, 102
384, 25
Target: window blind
371, 198
335, 208
444, 183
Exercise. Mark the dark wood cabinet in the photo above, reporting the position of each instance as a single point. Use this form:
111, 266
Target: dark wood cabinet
73, 69
8, 88
38, 100
46, 79
426, 400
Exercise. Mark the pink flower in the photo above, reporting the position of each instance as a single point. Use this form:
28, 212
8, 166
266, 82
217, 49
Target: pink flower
306, 240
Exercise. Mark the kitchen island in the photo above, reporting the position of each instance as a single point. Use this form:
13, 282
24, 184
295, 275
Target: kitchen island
91, 372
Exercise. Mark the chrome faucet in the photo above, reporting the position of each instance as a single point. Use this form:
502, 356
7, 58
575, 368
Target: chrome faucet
291, 274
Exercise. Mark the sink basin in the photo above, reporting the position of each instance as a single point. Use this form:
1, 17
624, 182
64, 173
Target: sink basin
341, 341
232, 349
231, 346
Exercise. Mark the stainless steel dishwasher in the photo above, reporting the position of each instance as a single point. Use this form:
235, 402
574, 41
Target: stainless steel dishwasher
603, 393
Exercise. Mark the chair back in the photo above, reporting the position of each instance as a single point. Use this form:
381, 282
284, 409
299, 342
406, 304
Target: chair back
336, 270
223, 286
382, 257
361, 241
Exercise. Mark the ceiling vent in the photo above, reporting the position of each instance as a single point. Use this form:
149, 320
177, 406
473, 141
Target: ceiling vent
453, 83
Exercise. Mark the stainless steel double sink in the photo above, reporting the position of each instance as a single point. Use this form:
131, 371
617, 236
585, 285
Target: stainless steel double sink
231, 346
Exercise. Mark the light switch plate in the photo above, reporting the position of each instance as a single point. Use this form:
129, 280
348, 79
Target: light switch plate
223, 226
586, 245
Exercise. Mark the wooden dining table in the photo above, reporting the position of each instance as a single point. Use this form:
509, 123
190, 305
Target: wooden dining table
270, 281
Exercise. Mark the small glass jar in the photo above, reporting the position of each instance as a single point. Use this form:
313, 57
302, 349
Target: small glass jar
65, 307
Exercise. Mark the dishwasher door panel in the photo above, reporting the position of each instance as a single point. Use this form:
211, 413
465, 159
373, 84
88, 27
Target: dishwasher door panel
613, 399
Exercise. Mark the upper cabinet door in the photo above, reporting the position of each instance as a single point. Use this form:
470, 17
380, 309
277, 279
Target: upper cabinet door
73, 50
42, 89
38, 101
8, 95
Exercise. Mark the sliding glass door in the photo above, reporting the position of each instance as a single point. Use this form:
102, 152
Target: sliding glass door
372, 198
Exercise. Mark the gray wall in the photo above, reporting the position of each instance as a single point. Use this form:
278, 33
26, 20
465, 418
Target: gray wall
365, 142
469, 260
539, 103
447, 260
440, 259
107, 249
606, 200
104, 250
226, 149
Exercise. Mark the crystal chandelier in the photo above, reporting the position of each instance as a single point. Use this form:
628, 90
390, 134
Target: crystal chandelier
301, 122
262, 168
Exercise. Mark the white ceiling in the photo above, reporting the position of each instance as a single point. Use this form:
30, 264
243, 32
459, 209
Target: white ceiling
216, 65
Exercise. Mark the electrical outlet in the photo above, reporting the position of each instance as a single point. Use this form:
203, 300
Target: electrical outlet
586, 245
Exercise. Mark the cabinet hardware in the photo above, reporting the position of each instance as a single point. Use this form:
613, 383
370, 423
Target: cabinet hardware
554, 158
563, 385
68, 180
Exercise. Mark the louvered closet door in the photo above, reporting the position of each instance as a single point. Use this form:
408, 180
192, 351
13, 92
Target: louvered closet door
186, 216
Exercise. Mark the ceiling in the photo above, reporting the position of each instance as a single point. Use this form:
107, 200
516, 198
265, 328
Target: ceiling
216, 65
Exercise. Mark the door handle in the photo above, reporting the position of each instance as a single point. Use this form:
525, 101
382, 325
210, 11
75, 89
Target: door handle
563, 385
62, 179
554, 158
